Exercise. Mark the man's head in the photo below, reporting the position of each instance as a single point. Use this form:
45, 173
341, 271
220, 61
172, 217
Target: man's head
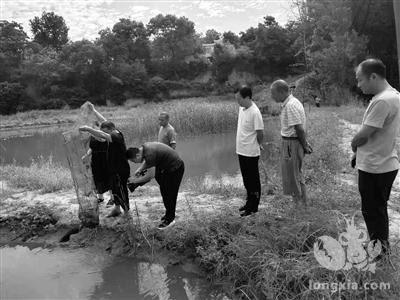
370, 75
107, 127
279, 90
135, 154
243, 96
163, 119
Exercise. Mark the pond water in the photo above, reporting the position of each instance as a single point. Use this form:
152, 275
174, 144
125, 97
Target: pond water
203, 155
32, 272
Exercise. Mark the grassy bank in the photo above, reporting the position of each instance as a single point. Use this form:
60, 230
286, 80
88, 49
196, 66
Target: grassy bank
44, 175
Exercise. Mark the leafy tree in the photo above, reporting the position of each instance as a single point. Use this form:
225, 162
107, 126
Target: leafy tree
211, 36
13, 41
49, 30
40, 72
127, 41
230, 37
175, 40
10, 97
375, 19
270, 44
87, 62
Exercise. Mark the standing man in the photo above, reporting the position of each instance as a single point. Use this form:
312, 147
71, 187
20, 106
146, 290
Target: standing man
167, 136
118, 165
249, 138
169, 173
374, 148
294, 143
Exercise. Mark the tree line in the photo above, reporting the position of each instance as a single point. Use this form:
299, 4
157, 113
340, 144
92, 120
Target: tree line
136, 60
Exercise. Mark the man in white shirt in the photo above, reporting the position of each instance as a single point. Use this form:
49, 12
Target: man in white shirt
374, 148
249, 138
294, 143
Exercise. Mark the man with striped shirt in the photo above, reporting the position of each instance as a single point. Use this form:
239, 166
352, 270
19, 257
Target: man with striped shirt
294, 143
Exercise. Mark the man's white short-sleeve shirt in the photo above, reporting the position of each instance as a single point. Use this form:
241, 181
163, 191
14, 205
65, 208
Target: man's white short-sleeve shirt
249, 121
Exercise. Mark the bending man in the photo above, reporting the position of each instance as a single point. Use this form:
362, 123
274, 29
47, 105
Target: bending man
169, 173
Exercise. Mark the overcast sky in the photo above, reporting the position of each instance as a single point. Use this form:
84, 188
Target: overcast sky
85, 18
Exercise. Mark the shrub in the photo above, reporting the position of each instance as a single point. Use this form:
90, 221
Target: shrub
10, 97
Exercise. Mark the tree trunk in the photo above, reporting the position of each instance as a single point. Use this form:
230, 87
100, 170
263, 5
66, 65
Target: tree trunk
396, 9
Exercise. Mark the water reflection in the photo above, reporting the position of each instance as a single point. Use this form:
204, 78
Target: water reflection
59, 273
128, 279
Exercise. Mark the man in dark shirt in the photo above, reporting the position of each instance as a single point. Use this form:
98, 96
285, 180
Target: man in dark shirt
169, 173
117, 163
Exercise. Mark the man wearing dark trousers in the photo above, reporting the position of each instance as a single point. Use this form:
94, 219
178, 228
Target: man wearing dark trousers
374, 148
249, 138
117, 163
169, 173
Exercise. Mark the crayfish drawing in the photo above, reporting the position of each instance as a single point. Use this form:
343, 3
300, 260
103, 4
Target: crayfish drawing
348, 251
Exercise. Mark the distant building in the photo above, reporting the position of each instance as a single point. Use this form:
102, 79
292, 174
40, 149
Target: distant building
209, 48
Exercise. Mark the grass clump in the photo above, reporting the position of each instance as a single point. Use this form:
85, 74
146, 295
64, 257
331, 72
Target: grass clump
44, 175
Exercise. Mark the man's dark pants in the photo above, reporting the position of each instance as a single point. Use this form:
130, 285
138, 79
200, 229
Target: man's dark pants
119, 189
251, 180
169, 186
375, 191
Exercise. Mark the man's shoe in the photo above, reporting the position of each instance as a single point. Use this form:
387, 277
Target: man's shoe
165, 225
163, 218
114, 213
243, 208
247, 213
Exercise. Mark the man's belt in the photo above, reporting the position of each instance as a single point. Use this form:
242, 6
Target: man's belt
290, 137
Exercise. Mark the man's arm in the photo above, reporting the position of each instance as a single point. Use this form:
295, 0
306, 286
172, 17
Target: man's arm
301, 135
96, 133
172, 138
362, 136
98, 115
260, 138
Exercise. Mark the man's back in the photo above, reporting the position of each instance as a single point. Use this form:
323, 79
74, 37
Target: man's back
161, 156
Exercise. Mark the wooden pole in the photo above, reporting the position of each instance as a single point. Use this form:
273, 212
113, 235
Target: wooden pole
82, 178
396, 10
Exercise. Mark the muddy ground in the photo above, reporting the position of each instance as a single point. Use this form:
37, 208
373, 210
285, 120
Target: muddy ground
33, 217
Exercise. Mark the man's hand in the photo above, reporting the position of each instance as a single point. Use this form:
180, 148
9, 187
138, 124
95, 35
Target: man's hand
353, 161
261, 147
140, 172
90, 106
308, 149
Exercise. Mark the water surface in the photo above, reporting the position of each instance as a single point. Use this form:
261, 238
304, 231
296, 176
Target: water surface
60, 273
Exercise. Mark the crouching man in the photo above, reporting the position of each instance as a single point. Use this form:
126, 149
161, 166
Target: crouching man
169, 172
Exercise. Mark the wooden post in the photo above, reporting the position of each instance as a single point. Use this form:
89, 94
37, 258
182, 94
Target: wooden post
396, 10
82, 179
76, 144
